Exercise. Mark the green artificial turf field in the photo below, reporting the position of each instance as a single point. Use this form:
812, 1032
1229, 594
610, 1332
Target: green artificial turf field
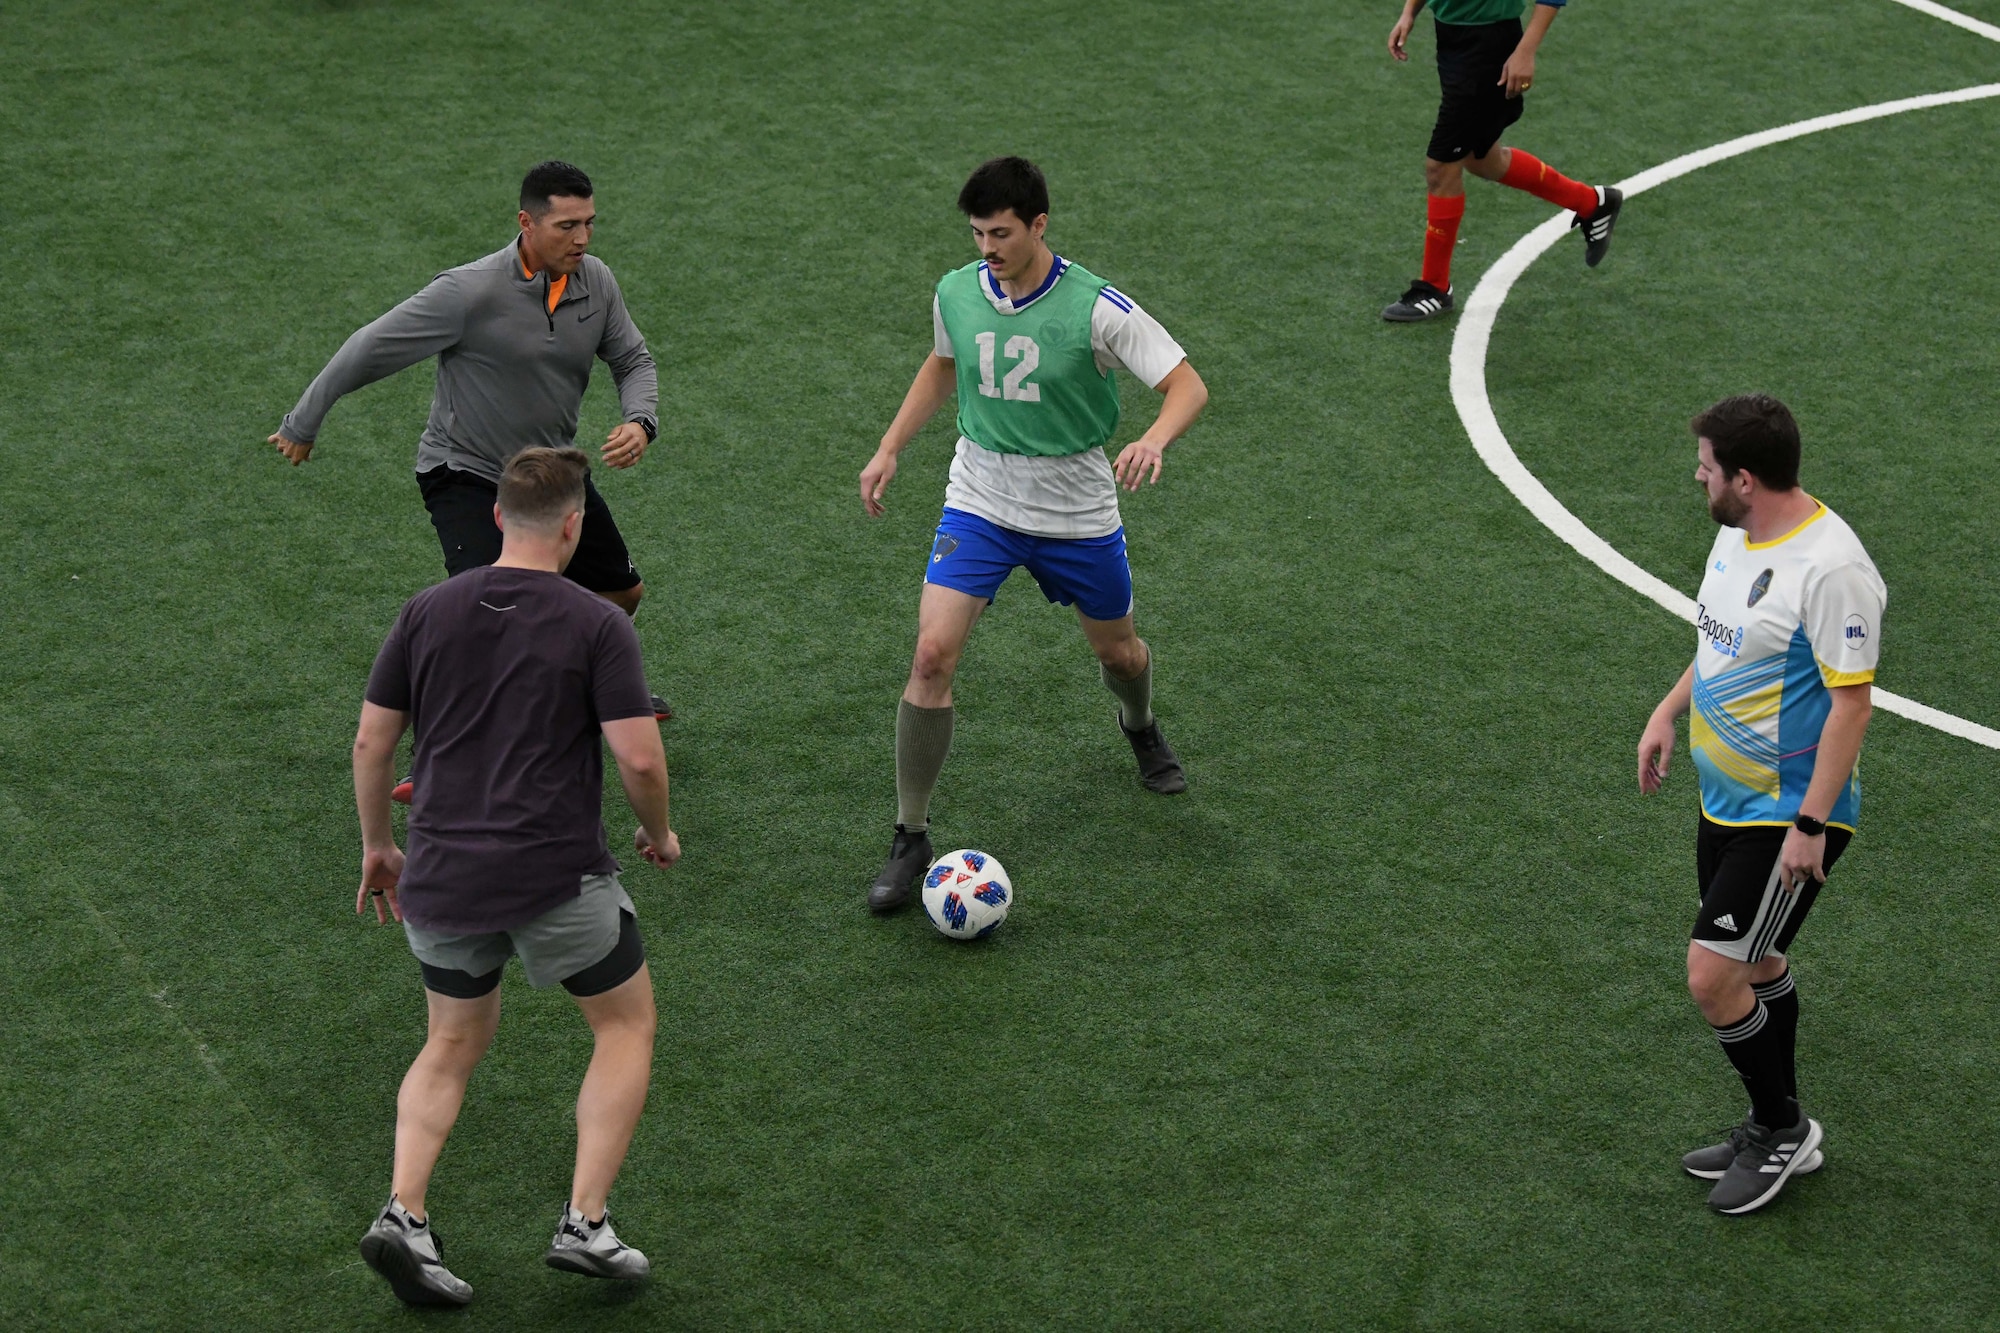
1382, 1025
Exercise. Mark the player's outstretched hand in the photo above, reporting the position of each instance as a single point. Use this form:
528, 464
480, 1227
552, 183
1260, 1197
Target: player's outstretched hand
381, 872
1136, 460
661, 854
875, 479
625, 445
1400, 35
291, 449
1656, 751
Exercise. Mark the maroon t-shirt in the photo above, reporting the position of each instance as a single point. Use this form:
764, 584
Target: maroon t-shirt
506, 675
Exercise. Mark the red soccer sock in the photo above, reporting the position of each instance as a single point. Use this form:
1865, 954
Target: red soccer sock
1439, 238
1530, 173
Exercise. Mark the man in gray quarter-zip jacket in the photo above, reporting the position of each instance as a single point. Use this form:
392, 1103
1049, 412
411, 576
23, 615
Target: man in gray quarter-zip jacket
515, 335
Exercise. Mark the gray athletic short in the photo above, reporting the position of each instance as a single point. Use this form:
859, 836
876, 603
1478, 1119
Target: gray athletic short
556, 945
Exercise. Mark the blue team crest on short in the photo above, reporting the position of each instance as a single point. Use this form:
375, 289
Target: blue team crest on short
939, 874
974, 861
953, 910
943, 546
1760, 587
991, 893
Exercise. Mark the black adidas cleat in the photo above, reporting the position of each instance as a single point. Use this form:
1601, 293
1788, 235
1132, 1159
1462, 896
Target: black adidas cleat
1159, 769
662, 710
910, 855
1597, 227
1713, 1163
1421, 302
1765, 1160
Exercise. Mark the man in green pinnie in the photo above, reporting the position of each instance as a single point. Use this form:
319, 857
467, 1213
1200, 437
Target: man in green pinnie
1030, 343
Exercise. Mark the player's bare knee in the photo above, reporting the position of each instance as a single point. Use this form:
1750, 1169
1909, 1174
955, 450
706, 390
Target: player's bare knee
1125, 659
934, 663
1442, 177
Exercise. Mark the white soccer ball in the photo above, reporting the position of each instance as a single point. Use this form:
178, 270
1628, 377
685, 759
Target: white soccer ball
967, 894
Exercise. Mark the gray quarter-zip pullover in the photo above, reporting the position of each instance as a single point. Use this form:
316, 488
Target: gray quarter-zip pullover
510, 371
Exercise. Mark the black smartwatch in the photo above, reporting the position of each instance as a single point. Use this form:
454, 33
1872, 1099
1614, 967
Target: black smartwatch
1809, 826
652, 431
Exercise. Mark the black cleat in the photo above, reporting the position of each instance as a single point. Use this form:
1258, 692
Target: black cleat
1158, 768
1597, 227
1421, 302
1713, 1163
662, 710
1765, 1160
910, 855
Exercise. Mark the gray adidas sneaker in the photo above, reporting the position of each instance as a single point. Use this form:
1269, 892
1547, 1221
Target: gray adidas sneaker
1766, 1159
411, 1256
1711, 1163
593, 1249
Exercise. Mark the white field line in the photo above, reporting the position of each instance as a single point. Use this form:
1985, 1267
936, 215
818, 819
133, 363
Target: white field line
1965, 21
1475, 331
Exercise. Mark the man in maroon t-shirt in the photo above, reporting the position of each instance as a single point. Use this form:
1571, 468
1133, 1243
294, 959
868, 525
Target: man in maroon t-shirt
509, 674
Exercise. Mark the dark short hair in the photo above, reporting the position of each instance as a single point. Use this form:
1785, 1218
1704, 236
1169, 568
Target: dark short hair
545, 180
1754, 433
1004, 183
543, 486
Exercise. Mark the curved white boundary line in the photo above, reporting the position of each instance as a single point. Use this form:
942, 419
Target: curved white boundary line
1952, 16
1475, 331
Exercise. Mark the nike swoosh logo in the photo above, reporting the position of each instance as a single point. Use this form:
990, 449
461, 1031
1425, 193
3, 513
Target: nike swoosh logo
584, 314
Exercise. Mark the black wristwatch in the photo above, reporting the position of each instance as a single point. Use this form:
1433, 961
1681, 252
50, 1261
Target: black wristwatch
1809, 826
652, 431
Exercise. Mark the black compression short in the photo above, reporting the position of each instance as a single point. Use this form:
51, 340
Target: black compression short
461, 508
1475, 110
616, 968
1744, 913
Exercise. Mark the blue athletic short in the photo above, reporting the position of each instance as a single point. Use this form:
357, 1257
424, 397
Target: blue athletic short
975, 557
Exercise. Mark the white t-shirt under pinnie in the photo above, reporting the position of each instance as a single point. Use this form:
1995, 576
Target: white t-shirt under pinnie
1075, 495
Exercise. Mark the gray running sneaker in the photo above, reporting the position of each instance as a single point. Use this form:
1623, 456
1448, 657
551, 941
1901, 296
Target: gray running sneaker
593, 1249
1711, 1163
1159, 768
1597, 227
1421, 302
1766, 1159
910, 855
411, 1256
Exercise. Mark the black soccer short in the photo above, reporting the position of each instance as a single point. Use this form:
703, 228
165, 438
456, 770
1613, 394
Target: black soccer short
461, 509
1745, 914
1475, 110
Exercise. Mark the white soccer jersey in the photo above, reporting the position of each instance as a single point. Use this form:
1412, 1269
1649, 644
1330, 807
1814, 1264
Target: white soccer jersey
1776, 624
1073, 496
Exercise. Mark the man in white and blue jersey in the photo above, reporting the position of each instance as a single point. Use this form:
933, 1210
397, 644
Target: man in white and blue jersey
1031, 344
1788, 631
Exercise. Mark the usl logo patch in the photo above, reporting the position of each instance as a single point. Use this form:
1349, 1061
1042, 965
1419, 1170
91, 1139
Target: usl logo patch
1760, 587
1855, 633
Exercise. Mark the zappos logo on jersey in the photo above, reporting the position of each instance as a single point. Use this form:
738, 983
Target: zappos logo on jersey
1724, 639
1855, 633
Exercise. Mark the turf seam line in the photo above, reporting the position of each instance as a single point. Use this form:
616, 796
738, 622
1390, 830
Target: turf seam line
201, 1050
1475, 409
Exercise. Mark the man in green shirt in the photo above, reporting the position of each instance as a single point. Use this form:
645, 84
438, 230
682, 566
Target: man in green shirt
1486, 61
1030, 343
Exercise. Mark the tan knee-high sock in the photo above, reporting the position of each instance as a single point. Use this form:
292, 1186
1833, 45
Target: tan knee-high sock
923, 739
1135, 696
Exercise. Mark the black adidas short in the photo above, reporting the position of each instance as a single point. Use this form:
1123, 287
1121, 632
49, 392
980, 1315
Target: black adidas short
461, 508
1744, 913
1475, 110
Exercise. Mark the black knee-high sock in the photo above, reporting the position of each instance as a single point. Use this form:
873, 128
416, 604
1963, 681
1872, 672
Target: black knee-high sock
1781, 998
1751, 1043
